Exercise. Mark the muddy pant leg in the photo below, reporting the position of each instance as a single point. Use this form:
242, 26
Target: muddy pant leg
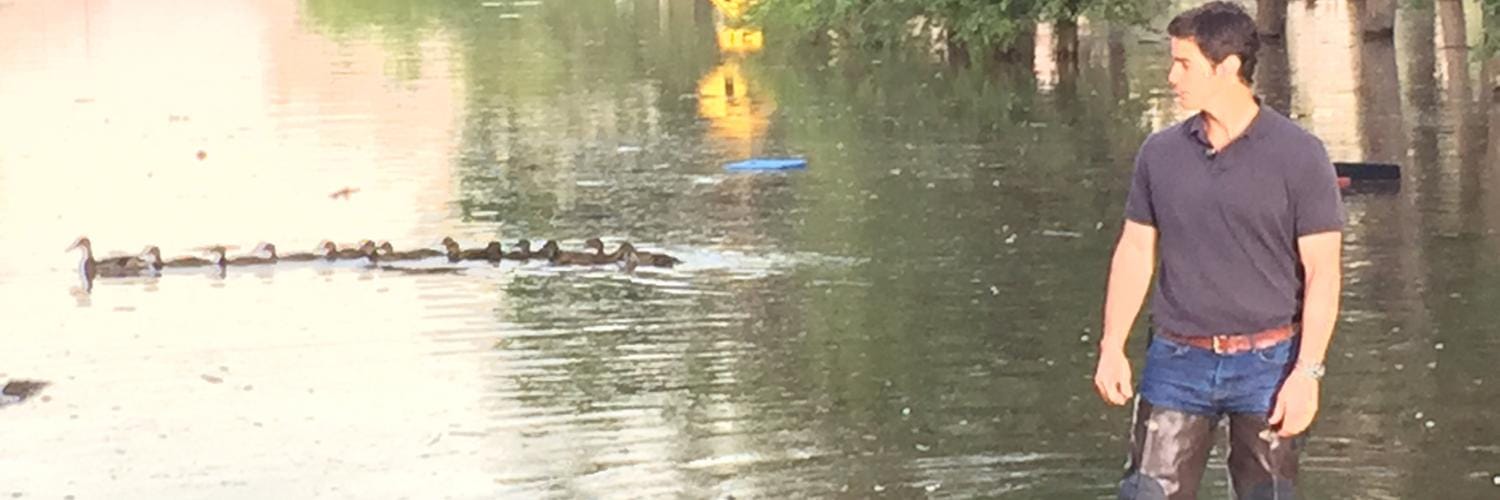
1168, 452
1262, 465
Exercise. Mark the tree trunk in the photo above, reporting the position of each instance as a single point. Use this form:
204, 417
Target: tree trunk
1119, 80
1270, 18
1455, 49
1273, 75
1490, 86
1375, 18
1065, 42
1378, 95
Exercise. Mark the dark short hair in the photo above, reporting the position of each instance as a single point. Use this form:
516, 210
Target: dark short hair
1220, 29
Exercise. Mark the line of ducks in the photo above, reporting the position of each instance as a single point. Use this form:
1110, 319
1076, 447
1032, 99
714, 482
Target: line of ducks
150, 261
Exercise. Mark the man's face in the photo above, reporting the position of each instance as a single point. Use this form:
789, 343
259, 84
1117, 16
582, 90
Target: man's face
1195, 80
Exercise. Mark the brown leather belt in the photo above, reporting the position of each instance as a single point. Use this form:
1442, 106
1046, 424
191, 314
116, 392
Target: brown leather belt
1234, 344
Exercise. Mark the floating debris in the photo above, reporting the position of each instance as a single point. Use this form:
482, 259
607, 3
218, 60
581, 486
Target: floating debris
625, 149
17, 391
1061, 234
1011, 240
1438, 346
343, 193
1430, 424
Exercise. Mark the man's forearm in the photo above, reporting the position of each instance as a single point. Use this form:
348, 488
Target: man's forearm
1320, 310
1129, 279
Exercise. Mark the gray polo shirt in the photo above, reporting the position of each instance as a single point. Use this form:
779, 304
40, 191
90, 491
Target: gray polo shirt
1228, 222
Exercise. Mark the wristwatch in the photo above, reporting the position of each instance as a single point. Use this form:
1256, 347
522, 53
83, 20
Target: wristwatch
1314, 370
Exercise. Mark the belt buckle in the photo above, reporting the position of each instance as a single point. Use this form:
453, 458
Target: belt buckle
1218, 341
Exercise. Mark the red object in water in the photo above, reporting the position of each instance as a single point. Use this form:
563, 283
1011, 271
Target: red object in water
1344, 182
202, 155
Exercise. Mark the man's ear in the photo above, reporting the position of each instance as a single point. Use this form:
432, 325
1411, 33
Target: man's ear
1230, 66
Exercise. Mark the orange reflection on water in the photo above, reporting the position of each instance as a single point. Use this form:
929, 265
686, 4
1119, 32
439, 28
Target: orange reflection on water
739, 115
732, 9
740, 40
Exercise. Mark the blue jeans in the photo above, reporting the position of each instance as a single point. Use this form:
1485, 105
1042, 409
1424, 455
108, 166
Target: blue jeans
1184, 392
1201, 382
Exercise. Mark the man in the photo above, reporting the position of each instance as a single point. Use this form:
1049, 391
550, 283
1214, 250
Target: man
1244, 208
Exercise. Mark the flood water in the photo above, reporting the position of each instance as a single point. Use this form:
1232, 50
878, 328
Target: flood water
914, 315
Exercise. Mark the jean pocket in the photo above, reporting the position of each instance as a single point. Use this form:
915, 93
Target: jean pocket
1162, 347
1279, 354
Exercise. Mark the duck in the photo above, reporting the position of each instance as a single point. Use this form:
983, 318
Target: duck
390, 252
548, 251
629, 260
155, 261
584, 258
522, 250
264, 253
322, 252
491, 252
451, 249
659, 260
216, 258
365, 250
599, 256
648, 258
109, 267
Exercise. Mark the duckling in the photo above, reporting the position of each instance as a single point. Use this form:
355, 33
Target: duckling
328, 251
152, 256
452, 250
491, 252
628, 258
110, 267
264, 253
648, 258
583, 258
390, 253
548, 251
522, 250
365, 250
322, 252
217, 261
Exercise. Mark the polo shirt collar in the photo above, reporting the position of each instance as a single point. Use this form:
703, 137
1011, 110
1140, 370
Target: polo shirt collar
1198, 125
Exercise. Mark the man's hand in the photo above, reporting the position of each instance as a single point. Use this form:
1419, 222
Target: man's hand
1296, 405
1112, 377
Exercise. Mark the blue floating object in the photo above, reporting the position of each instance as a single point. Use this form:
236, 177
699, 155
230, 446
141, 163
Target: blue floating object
768, 164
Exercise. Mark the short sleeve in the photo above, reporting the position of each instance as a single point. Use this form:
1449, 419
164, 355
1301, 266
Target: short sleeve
1317, 206
1138, 206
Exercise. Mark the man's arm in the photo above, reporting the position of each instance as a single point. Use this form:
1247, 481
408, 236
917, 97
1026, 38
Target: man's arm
1129, 278
1321, 261
1297, 403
